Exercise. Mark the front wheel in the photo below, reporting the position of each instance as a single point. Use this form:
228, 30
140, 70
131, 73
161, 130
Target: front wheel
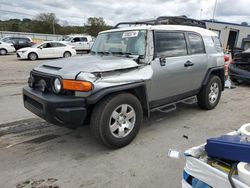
32, 56
209, 96
116, 120
3, 51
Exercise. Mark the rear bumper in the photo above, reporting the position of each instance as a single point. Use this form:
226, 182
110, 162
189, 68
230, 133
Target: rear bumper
66, 111
239, 74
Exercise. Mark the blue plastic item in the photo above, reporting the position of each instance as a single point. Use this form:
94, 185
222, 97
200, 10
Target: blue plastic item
228, 147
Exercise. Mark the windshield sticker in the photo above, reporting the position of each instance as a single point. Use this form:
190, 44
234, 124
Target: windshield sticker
129, 34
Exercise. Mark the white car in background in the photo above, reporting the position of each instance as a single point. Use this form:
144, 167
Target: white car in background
48, 49
6, 48
80, 42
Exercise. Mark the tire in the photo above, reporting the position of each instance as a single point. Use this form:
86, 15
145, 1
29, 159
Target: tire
32, 56
66, 54
109, 125
3, 51
209, 96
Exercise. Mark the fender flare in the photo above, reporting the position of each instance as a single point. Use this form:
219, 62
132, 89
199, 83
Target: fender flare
93, 99
210, 71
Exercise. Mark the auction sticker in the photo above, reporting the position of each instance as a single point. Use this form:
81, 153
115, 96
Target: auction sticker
129, 34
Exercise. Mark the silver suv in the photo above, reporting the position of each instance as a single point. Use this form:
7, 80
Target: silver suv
130, 72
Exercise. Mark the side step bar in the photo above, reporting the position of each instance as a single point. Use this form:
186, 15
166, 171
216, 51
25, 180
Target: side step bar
172, 106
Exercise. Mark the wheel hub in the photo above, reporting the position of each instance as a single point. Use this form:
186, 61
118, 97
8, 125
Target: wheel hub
214, 92
122, 120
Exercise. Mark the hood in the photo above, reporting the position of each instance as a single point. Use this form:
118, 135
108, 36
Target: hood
68, 68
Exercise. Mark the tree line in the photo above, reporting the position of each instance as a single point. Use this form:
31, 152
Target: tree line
48, 23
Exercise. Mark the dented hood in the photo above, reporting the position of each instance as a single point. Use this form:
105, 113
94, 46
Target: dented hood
70, 67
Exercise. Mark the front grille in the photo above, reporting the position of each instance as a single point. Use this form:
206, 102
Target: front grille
40, 78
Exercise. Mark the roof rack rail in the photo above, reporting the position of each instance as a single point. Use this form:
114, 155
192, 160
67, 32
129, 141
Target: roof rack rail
167, 20
132, 23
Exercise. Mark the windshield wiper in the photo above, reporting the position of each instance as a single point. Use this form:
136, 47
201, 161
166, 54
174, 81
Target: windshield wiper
127, 54
100, 52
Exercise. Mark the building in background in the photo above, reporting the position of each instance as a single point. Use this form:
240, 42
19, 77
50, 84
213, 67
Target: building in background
231, 35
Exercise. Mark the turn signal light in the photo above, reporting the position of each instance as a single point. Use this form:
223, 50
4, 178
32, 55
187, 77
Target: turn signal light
77, 85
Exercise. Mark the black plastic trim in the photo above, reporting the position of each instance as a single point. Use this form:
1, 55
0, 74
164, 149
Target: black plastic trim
172, 99
94, 98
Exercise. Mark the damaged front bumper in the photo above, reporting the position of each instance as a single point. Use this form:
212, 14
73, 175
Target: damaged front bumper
69, 111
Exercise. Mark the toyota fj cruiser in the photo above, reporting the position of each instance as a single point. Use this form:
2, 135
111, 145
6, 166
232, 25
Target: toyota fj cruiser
129, 73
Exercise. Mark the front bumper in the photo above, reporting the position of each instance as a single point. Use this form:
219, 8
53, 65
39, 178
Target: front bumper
69, 111
238, 74
21, 55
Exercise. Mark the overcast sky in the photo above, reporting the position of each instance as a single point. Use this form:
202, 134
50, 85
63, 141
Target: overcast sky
76, 12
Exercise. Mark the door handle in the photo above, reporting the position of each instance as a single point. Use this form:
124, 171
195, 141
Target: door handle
188, 64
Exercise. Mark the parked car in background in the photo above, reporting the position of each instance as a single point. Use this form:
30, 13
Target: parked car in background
49, 49
239, 68
19, 42
80, 42
6, 48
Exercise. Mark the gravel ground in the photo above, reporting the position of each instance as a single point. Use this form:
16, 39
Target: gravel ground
36, 154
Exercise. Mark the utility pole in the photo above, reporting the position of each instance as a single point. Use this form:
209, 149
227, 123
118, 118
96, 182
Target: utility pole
53, 25
215, 5
201, 13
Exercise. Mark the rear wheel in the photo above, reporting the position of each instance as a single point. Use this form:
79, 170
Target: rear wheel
66, 54
3, 51
32, 56
209, 95
116, 120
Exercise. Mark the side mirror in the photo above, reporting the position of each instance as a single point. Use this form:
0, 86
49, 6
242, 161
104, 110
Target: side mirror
73, 41
162, 61
40, 47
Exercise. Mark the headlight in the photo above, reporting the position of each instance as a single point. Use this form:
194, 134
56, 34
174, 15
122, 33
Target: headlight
57, 85
87, 76
22, 51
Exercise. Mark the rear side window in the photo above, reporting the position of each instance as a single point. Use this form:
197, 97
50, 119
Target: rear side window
217, 44
196, 43
57, 44
170, 44
83, 39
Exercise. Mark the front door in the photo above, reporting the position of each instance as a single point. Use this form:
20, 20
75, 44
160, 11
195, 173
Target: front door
177, 72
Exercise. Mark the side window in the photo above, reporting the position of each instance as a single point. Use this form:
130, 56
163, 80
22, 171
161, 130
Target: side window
196, 43
170, 44
84, 39
46, 45
56, 44
217, 44
76, 39
21, 41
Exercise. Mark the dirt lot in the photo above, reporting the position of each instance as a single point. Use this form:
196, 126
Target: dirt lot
36, 154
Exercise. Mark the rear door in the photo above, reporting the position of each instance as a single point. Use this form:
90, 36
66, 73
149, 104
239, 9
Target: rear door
84, 43
173, 68
198, 58
59, 49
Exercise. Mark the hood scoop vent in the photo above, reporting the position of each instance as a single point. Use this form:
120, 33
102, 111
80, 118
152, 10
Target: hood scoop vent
52, 67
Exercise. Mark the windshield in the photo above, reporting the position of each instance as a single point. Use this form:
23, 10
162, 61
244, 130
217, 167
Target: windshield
121, 42
68, 39
36, 45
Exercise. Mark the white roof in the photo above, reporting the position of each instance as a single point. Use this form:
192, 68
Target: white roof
201, 31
